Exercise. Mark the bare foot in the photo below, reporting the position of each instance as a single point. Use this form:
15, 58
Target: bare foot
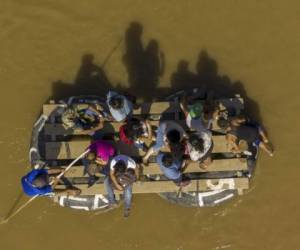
203, 166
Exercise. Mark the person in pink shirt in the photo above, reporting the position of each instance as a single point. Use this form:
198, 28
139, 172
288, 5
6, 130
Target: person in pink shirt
97, 159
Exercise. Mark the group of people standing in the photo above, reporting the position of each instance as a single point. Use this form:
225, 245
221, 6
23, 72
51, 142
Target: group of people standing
174, 144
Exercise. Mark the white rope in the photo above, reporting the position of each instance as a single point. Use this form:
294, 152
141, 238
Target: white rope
5, 220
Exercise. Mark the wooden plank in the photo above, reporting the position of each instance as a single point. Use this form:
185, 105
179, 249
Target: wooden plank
109, 127
71, 149
49, 108
159, 107
169, 186
217, 165
156, 108
234, 164
145, 108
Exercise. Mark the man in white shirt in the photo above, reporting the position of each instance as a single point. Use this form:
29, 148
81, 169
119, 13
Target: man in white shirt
123, 173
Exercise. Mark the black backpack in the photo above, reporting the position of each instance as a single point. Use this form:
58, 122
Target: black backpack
126, 178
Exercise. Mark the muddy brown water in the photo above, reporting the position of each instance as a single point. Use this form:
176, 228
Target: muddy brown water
57, 48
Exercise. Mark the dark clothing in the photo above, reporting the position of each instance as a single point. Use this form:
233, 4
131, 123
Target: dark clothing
30, 189
248, 133
103, 170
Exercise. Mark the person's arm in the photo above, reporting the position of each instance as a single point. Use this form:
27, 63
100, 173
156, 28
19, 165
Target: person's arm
136, 172
183, 105
114, 180
148, 125
184, 165
100, 117
231, 140
99, 161
99, 126
148, 154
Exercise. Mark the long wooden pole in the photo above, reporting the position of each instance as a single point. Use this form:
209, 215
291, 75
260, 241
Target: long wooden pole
9, 216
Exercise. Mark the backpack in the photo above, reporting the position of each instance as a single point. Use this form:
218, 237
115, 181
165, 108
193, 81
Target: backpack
126, 178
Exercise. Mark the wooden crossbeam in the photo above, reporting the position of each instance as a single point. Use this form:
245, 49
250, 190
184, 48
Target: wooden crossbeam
109, 127
235, 164
217, 165
169, 186
145, 108
159, 107
71, 149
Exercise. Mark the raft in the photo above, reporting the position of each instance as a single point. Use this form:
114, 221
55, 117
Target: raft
54, 146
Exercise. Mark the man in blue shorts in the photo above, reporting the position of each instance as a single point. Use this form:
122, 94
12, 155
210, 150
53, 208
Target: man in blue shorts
37, 182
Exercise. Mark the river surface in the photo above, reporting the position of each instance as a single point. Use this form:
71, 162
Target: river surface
52, 49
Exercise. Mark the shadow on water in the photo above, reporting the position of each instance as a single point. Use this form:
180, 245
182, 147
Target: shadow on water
91, 79
145, 65
207, 78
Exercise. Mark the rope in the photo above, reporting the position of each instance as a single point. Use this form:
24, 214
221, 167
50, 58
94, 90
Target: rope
9, 216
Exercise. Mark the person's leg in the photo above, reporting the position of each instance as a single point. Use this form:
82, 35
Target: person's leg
265, 148
127, 197
263, 134
85, 163
109, 190
182, 181
260, 129
205, 163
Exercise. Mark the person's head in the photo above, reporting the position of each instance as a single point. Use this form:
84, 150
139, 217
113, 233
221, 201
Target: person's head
91, 156
167, 160
40, 181
196, 142
116, 102
135, 130
224, 124
120, 166
173, 136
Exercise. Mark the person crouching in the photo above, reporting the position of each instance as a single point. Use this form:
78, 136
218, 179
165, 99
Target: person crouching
123, 173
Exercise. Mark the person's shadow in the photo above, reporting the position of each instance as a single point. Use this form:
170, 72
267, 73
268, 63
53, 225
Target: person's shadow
144, 64
211, 83
91, 79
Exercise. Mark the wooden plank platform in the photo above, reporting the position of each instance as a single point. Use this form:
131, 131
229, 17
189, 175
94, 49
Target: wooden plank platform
64, 150
169, 186
234, 164
71, 149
